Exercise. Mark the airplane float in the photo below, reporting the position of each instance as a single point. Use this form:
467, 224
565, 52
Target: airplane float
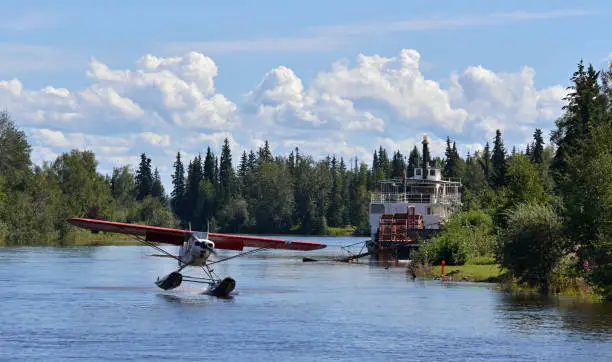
195, 249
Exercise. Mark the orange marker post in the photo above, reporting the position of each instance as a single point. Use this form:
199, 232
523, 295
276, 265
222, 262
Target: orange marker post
443, 267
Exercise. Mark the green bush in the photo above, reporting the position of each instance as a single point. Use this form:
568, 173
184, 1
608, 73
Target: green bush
466, 236
532, 245
453, 251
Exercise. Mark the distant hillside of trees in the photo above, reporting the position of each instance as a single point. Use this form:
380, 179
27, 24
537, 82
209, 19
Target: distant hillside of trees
544, 203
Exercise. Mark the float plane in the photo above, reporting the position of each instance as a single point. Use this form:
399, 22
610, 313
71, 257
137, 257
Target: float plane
195, 249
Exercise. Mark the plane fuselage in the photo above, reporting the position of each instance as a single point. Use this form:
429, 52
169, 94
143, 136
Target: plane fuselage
195, 251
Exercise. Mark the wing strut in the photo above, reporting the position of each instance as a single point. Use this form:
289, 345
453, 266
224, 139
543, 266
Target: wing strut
237, 255
146, 242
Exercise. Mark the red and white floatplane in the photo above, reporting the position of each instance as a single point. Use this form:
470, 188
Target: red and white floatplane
195, 249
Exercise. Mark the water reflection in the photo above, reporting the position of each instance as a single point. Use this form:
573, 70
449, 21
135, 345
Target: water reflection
591, 319
201, 299
526, 313
105, 306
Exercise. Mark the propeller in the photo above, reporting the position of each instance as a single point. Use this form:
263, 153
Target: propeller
207, 247
212, 250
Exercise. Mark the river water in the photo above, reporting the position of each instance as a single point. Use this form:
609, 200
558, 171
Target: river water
100, 303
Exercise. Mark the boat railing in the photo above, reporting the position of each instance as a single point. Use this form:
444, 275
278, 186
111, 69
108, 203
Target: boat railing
382, 197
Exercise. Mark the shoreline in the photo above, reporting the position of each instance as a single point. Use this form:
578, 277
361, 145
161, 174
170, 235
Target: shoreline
467, 273
477, 273
492, 274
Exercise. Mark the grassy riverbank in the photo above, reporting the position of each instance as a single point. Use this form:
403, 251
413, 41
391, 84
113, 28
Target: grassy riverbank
490, 273
471, 273
341, 231
83, 238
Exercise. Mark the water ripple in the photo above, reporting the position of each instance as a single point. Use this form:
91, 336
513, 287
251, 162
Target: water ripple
100, 303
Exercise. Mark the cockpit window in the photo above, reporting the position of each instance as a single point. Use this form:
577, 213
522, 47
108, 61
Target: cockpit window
200, 234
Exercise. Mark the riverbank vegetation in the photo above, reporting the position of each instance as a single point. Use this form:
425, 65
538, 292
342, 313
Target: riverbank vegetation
541, 213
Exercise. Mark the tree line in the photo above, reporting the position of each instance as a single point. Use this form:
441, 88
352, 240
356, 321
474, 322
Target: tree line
543, 212
268, 194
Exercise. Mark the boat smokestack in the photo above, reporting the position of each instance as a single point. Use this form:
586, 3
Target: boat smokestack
425, 143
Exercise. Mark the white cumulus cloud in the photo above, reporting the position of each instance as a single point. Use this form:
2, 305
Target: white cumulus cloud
164, 105
506, 101
392, 85
176, 91
280, 98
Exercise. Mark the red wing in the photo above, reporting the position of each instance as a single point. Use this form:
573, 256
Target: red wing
237, 242
176, 236
154, 234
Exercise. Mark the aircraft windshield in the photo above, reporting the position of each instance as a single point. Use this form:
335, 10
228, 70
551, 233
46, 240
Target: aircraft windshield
200, 234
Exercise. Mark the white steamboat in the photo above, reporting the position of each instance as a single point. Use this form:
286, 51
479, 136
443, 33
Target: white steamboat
404, 211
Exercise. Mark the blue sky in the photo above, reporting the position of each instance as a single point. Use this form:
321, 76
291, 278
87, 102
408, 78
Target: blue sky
456, 68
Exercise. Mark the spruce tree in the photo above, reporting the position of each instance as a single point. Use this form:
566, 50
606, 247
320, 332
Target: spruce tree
585, 106
243, 168
334, 216
538, 147
345, 194
528, 151
209, 165
216, 173
398, 165
414, 161
157, 189
178, 187
264, 155
252, 161
449, 160
458, 163
144, 178
498, 162
291, 162
383, 164
226, 172
195, 174
485, 162
582, 167
375, 166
